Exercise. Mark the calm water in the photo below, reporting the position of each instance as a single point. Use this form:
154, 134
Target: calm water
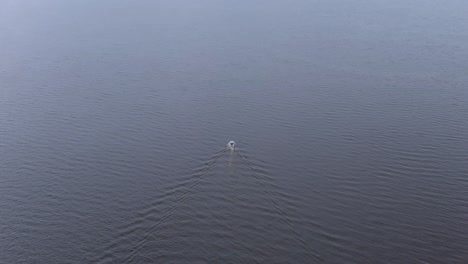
350, 117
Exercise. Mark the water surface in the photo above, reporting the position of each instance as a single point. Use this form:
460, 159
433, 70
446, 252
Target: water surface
350, 119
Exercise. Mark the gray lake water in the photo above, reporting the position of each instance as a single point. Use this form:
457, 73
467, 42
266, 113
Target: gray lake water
350, 118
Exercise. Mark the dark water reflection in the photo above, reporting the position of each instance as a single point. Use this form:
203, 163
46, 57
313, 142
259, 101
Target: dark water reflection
351, 114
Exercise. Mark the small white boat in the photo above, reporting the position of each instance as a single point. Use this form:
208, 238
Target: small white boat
231, 145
